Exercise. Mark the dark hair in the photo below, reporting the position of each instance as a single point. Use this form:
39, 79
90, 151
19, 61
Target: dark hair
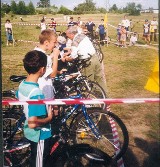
8, 20
33, 61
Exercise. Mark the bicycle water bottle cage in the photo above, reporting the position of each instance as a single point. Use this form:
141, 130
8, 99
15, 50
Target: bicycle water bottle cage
16, 78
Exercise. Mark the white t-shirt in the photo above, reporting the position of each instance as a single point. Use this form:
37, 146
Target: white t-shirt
133, 39
8, 25
154, 24
45, 82
125, 23
43, 26
85, 49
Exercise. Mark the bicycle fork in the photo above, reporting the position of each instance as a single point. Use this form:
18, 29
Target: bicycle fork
91, 123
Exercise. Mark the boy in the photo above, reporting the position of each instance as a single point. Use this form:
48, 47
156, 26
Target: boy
133, 39
37, 127
48, 40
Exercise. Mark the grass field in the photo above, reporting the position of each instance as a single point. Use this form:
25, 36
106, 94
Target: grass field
126, 69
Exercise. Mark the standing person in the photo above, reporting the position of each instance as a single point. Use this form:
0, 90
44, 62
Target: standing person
8, 27
79, 22
102, 32
118, 33
71, 23
47, 42
131, 25
90, 27
123, 33
81, 45
54, 24
43, 25
154, 23
126, 23
146, 31
37, 128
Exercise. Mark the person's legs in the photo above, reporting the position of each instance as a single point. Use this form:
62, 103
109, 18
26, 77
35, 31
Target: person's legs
151, 36
155, 35
94, 70
33, 154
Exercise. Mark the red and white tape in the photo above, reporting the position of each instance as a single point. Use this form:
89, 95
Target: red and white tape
81, 101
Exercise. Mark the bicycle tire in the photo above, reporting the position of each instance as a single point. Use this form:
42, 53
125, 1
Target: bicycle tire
100, 55
81, 132
17, 155
10, 95
10, 120
78, 156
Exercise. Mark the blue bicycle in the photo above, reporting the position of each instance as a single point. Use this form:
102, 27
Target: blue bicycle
87, 125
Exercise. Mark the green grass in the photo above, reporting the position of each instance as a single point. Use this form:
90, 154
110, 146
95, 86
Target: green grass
127, 70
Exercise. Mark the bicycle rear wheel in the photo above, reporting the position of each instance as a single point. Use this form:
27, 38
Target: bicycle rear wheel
113, 133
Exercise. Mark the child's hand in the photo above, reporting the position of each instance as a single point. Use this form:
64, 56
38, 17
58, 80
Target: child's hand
50, 113
55, 53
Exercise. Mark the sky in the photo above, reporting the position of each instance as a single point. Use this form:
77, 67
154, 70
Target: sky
70, 4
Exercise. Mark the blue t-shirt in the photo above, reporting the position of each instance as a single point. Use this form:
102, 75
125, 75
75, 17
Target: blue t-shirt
30, 90
101, 29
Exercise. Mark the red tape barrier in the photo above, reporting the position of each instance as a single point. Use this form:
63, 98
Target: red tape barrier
81, 101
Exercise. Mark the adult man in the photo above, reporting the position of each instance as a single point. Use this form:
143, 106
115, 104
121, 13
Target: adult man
154, 24
81, 45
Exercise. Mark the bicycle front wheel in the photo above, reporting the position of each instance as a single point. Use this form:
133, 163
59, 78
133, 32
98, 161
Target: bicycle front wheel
113, 134
82, 155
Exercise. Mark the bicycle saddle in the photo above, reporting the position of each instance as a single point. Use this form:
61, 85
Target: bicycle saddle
16, 78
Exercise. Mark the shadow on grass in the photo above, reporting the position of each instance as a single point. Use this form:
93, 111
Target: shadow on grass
153, 151
150, 148
130, 159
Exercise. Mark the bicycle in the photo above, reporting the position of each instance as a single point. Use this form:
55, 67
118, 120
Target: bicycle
90, 115
17, 152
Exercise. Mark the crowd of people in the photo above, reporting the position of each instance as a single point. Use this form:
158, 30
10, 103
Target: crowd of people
125, 31
41, 68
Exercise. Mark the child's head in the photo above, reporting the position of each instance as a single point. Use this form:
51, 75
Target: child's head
48, 38
34, 61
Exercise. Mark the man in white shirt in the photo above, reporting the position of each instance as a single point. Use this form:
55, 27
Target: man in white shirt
83, 47
154, 24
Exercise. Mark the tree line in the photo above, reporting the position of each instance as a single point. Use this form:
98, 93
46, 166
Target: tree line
44, 7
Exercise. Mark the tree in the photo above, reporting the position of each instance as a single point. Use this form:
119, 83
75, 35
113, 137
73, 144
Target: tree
88, 5
102, 10
31, 8
5, 8
113, 8
133, 9
21, 8
64, 10
13, 7
43, 3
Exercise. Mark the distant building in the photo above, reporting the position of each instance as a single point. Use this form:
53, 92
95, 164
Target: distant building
149, 11
155, 11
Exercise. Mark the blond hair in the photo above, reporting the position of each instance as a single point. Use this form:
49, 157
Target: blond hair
46, 35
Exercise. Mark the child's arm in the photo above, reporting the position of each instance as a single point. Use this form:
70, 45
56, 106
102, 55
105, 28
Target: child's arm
34, 122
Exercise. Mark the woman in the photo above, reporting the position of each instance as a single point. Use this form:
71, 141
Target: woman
8, 27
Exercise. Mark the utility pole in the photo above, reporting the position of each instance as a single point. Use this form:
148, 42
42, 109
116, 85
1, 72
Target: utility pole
107, 20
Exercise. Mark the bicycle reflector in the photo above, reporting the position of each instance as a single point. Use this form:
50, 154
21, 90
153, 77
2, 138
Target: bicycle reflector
82, 135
